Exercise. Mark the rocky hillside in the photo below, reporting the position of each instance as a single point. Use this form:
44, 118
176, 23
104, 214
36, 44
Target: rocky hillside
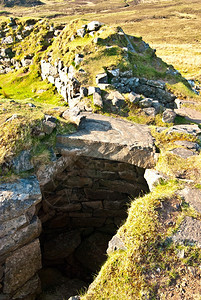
59, 79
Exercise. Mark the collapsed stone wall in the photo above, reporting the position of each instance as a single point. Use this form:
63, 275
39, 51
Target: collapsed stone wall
82, 211
69, 87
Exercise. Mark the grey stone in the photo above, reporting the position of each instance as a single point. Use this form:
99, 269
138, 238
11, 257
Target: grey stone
168, 116
78, 59
21, 266
188, 145
97, 100
83, 92
114, 72
115, 98
73, 115
17, 238
183, 153
144, 103
134, 98
115, 244
193, 197
47, 173
189, 232
22, 162
94, 25
31, 287
48, 127
93, 89
188, 129
17, 197
153, 177
150, 111
109, 138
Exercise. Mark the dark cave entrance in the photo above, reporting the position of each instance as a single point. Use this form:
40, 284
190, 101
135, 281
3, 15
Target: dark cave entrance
81, 211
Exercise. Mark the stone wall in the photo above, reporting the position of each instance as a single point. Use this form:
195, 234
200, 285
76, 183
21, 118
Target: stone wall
20, 254
71, 90
84, 207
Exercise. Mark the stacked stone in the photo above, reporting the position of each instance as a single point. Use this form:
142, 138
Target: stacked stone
93, 191
82, 209
20, 254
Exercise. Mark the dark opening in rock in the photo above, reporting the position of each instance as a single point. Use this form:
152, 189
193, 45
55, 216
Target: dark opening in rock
81, 211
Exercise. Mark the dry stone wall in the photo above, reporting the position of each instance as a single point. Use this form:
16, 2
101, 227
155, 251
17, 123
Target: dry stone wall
20, 254
84, 208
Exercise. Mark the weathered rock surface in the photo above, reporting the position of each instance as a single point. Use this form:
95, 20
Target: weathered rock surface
193, 197
116, 243
189, 232
109, 138
21, 266
16, 198
20, 253
188, 129
153, 177
183, 153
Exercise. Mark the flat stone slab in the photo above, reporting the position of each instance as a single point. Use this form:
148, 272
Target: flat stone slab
183, 153
109, 138
188, 129
193, 197
189, 114
189, 232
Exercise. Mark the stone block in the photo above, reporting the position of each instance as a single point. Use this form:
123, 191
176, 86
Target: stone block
115, 204
21, 266
169, 116
31, 288
97, 100
92, 204
20, 237
113, 139
17, 197
103, 194
79, 182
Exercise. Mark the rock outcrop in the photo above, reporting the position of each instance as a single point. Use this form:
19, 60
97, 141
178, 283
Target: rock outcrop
109, 138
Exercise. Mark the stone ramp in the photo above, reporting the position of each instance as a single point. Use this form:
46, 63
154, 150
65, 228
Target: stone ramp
110, 138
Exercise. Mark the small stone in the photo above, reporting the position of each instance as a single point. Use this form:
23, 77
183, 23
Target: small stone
150, 111
168, 116
31, 105
97, 100
145, 103
48, 127
94, 25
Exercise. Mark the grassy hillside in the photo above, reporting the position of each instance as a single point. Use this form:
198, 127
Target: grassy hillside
172, 27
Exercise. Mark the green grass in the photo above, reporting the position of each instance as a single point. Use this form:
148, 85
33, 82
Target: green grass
129, 274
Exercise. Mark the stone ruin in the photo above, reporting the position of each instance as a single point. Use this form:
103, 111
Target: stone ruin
65, 216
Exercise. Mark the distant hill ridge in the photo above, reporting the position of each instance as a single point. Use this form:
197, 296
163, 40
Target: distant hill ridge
10, 3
